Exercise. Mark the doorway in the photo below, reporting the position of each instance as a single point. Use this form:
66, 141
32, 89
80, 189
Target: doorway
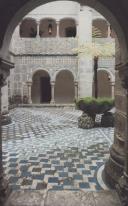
41, 87
45, 89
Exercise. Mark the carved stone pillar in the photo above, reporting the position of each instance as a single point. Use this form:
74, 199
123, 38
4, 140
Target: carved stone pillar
116, 169
5, 67
122, 186
85, 68
112, 84
52, 92
38, 28
29, 85
57, 29
76, 90
77, 29
115, 165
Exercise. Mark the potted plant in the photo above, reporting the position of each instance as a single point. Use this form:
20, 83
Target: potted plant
92, 106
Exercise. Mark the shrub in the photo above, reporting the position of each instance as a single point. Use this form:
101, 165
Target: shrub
94, 106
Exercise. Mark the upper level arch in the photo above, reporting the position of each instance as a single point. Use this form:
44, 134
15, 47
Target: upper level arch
71, 73
47, 27
102, 26
28, 28
111, 76
39, 70
67, 27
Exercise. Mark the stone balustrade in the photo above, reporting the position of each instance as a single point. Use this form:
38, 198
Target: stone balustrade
56, 46
43, 46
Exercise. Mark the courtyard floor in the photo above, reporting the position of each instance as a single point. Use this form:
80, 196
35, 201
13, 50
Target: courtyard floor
44, 149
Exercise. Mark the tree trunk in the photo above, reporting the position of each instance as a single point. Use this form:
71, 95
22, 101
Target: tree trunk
95, 77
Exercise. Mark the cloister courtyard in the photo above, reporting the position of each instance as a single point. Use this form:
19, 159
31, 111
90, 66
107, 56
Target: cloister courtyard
43, 149
64, 103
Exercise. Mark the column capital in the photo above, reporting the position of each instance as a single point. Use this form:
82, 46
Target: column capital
38, 22
76, 83
112, 83
83, 7
58, 22
108, 24
29, 83
77, 23
2, 80
123, 74
52, 83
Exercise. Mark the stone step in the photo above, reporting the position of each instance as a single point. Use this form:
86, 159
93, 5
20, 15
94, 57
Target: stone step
48, 105
63, 198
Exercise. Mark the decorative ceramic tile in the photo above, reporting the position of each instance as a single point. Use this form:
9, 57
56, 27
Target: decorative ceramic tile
44, 149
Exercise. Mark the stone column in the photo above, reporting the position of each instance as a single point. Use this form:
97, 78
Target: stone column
77, 29
112, 84
5, 67
85, 68
57, 29
38, 28
52, 92
4, 98
122, 186
115, 165
29, 85
76, 90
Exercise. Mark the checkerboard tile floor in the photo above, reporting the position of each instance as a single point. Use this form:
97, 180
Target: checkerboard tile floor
44, 149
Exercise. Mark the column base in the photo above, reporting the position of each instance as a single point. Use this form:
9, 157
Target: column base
52, 102
4, 190
113, 168
122, 189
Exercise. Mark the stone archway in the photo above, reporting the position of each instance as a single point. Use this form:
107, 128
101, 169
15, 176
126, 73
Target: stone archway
64, 87
105, 84
116, 13
41, 87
